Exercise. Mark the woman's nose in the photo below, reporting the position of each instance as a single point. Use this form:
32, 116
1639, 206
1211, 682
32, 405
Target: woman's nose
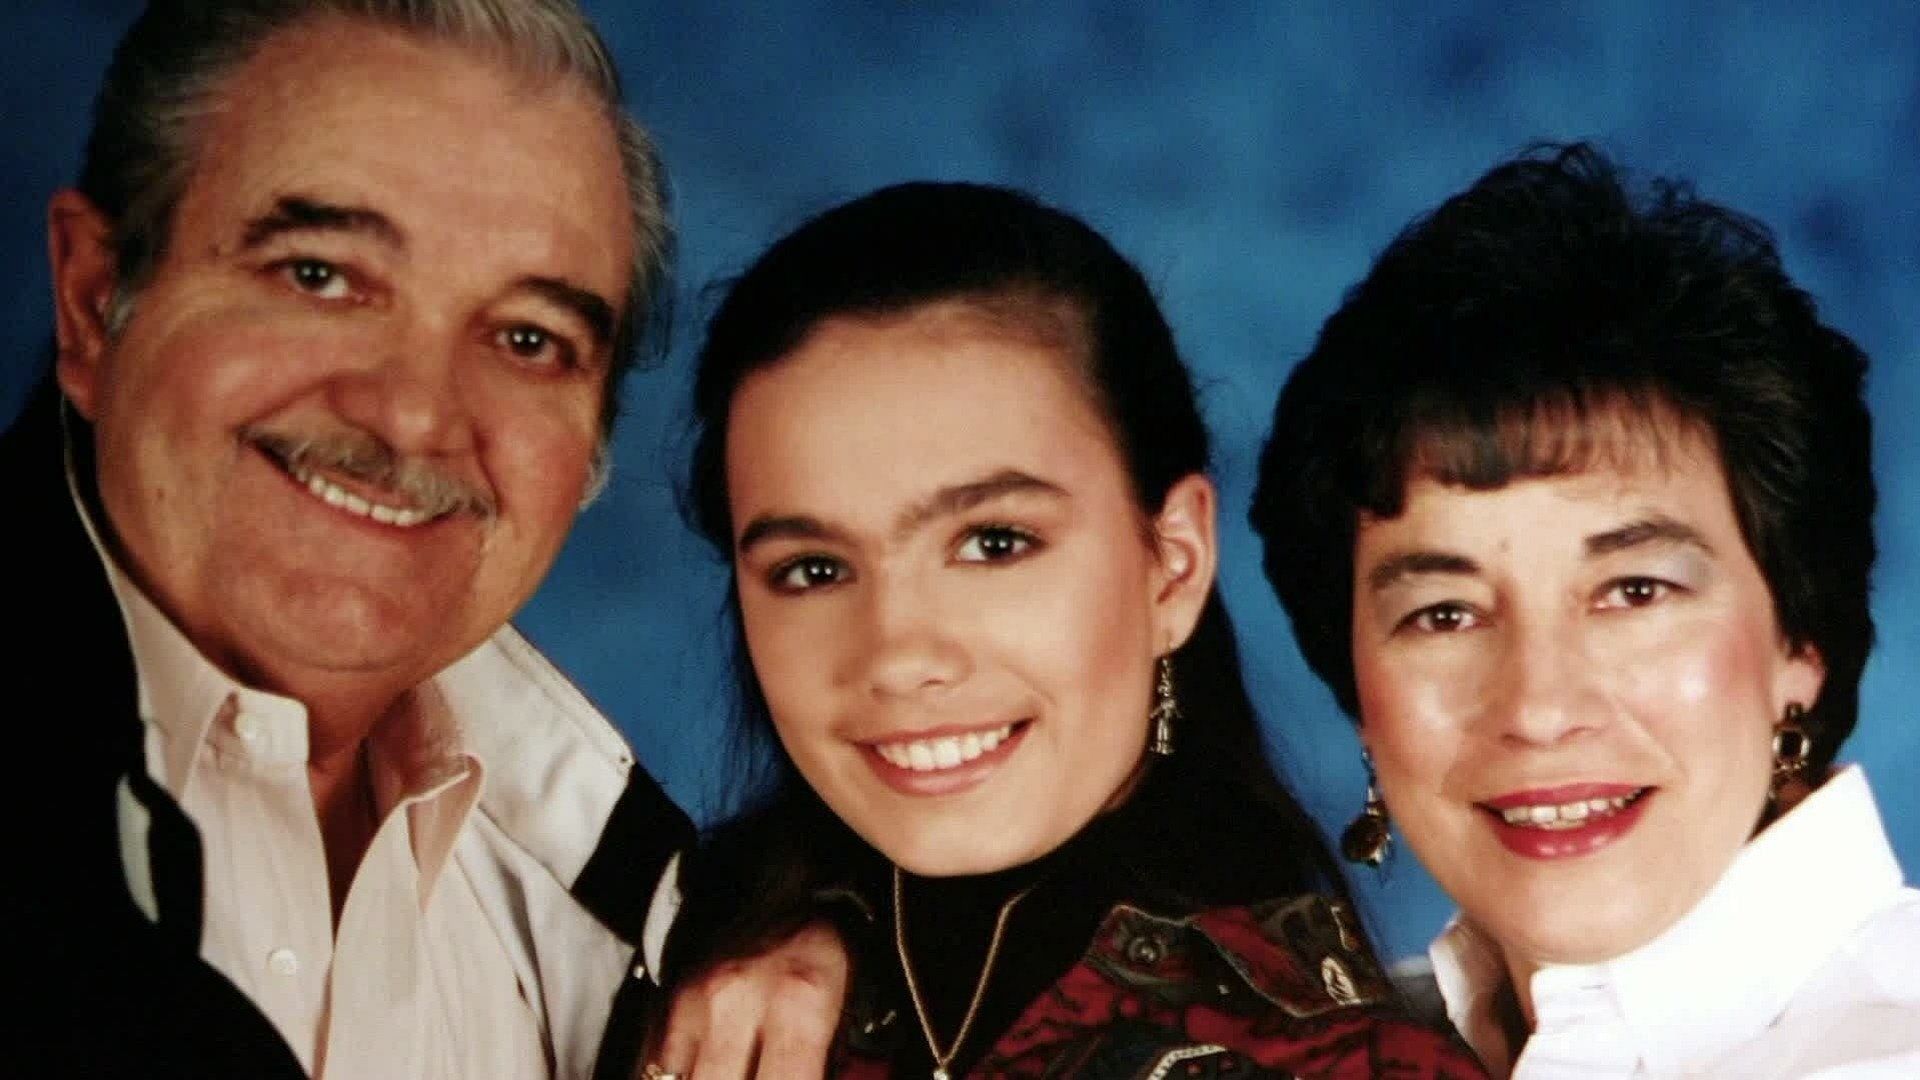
1545, 691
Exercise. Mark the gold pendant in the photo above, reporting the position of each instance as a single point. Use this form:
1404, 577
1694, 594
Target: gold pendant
940, 1074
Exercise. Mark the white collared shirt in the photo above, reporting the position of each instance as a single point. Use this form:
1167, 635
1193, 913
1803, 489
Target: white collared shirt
416, 980
1803, 960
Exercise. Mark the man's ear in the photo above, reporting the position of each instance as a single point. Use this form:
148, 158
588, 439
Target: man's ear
81, 254
1189, 553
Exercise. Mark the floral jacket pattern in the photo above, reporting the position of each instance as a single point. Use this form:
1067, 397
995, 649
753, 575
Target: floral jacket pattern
1279, 989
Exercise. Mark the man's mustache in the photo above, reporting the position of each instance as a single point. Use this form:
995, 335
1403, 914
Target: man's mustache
424, 485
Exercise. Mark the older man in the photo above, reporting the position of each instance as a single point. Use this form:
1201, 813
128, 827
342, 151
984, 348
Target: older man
342, 300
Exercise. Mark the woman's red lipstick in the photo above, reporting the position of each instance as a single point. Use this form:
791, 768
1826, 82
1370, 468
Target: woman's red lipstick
1566, 821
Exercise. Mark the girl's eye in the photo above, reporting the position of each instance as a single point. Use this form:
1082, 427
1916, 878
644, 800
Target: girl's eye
807, 573
317, 277
1443, 618
993, 543
1633, 592
537, 346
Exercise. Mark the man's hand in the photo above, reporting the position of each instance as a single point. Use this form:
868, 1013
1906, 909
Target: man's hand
772, 1017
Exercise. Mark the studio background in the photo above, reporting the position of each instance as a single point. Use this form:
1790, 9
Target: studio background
1252, 159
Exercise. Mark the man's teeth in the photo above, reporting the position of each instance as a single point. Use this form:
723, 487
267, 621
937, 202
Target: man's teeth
946, 752
1565, 815
334, 495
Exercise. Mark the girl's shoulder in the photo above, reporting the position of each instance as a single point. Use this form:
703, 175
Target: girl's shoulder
1281, 988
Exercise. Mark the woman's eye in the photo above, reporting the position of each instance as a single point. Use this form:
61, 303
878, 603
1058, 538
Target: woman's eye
319, 278
1633, 592
1444, 618
993, 543
808, 572
536, 345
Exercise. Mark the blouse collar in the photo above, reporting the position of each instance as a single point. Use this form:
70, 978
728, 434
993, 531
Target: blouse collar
1713, 980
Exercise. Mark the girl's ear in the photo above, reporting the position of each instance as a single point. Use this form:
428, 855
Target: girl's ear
1188, 554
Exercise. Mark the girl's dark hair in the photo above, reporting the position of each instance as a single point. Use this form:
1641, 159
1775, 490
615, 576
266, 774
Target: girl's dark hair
886, 253
1500, 335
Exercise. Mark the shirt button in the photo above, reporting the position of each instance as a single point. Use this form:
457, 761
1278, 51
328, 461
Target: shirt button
248, 728
283, 962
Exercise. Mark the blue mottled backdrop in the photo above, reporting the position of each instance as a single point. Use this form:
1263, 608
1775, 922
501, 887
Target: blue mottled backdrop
1251, 158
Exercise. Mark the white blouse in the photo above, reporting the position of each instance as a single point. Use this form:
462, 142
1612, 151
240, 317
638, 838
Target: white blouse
1802, 961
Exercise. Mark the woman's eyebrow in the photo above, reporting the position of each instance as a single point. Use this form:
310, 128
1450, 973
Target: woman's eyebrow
1654, 529
1407, 563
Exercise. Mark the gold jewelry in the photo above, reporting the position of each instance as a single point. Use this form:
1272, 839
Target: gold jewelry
943, 1059
657, 1071
1792, 747
1368, 837
1165, 709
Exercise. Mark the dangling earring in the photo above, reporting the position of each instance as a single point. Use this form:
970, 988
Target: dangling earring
1367, 839
1792, 749
1165, 709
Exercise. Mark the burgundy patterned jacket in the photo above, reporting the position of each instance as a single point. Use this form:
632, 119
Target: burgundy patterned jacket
1280, 989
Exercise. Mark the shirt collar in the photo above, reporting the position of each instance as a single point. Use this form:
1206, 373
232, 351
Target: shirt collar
193, 705
180, 692
1714, 979
555, 765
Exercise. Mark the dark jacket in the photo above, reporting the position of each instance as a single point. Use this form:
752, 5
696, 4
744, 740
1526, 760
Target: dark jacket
109, 990
1279, 989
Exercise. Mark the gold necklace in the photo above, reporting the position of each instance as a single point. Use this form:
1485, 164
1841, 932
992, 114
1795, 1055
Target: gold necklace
942, 1060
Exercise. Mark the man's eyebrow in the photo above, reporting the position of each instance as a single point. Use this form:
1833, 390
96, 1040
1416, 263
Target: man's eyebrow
1407, 563
589, 306
1656, 529
298, 213
959, 498
785, 526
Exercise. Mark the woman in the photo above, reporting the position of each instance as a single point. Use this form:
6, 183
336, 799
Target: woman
953, 457
1571, 506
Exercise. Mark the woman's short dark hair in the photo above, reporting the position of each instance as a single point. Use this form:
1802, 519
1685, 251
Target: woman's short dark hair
1493, 333
915, 244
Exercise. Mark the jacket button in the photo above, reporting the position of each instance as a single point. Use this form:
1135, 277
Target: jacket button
1146, 950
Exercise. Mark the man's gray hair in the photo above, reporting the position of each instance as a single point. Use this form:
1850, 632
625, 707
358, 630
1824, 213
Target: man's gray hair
168, 72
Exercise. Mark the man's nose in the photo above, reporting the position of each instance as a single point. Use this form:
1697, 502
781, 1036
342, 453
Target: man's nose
410, 395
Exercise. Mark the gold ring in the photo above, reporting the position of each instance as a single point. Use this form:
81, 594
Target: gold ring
656, 1071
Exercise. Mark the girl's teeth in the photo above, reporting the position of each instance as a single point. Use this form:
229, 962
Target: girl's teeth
946, 752
1564, 815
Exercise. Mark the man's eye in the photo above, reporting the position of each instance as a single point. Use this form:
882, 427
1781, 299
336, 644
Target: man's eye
1444, 618
993, 543
1633, 592
537, 346
317, 277
806, 573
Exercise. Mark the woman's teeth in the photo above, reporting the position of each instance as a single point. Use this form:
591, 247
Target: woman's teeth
946, 752
1569, 815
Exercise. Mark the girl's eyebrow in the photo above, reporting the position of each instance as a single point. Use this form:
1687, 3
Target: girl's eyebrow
959, 498
947, 501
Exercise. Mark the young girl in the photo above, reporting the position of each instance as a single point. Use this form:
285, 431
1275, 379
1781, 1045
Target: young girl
956, 463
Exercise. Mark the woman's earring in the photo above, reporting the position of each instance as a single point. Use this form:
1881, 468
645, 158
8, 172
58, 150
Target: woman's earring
1367, 839
1792, 749
1165, 709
